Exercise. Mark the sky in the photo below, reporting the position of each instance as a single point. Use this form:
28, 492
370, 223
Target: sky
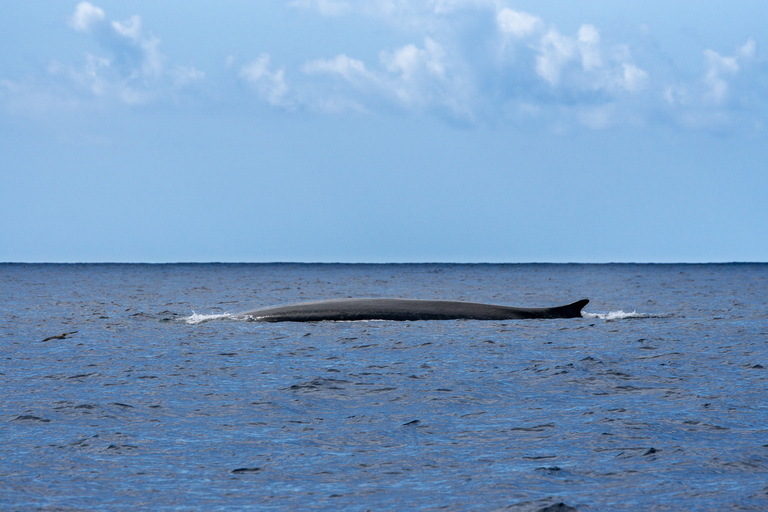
383, 131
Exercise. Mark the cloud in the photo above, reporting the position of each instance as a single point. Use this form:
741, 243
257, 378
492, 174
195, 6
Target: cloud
719, 69
518, 24
426, 79
588, 41
128, 68
352, 70
581, 66
467, 70
634, 79
134, 70
85, 16
555, 51
408, 78
722, 70
726, 94
478, 62
270, 85
409, 60
484, 62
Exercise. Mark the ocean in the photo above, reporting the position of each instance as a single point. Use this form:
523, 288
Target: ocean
136, 387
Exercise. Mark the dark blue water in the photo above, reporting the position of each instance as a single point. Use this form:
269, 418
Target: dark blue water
656, 400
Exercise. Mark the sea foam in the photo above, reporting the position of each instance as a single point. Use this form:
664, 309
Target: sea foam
618, 315
199, 319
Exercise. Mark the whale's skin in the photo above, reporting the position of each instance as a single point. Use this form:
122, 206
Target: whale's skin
404, 310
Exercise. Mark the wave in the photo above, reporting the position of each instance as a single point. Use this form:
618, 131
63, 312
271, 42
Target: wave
199, 319
620, 315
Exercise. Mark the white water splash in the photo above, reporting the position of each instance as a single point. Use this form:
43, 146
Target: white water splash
199, 319
618, 315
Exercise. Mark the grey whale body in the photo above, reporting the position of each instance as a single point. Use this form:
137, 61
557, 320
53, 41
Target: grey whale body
405, 310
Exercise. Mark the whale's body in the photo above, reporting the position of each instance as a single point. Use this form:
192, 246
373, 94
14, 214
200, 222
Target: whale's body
404, 310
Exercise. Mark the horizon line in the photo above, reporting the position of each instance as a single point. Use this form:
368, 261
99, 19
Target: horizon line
276, 262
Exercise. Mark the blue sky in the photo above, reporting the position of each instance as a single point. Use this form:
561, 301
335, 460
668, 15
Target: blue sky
383, 131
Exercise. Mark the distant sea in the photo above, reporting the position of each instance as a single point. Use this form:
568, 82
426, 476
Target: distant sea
131, 387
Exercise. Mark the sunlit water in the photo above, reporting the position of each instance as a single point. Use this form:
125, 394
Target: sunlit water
158, 398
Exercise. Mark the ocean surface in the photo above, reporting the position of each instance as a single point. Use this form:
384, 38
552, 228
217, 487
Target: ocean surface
156, 398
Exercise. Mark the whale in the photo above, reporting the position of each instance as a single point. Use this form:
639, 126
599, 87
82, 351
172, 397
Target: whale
350, 310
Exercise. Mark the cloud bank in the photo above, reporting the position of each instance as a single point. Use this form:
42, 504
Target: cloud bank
483, 62
472, 62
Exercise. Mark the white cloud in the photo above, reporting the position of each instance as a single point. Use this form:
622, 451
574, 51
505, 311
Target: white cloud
128, 69
419, 77
130, 28
747, 51
634, 78
409, 77
271, 85
724, 96
676, 94
611, 75
409, 60
719, 70
588, 41
530, 68
714, 90
485, 61
469, 60
555, 52
348, 68
519, 24
136, 71
85, 16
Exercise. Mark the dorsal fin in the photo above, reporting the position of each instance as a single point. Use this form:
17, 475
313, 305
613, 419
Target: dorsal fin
571, 310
